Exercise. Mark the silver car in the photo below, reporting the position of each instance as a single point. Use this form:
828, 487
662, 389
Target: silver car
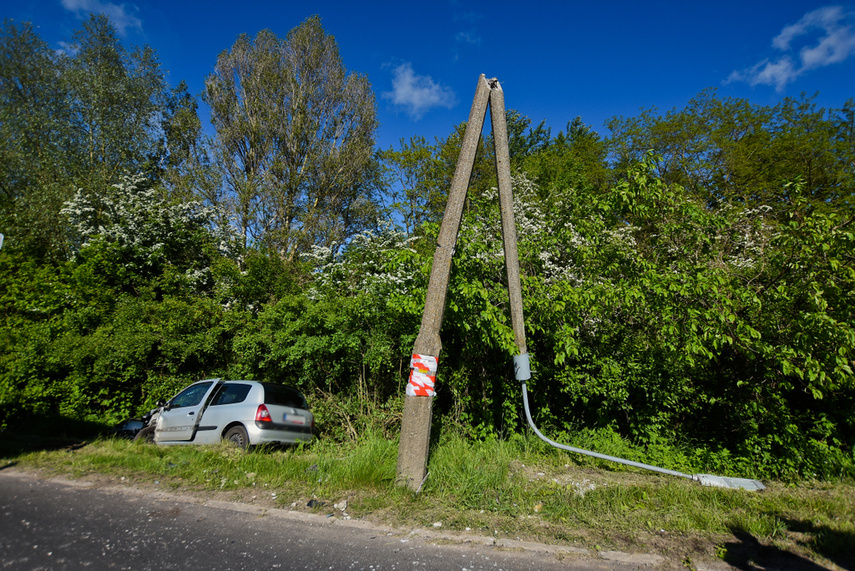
246, 413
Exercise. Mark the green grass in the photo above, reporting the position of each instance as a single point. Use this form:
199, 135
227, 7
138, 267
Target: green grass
516, 488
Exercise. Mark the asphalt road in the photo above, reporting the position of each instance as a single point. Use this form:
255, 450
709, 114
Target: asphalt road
57, 524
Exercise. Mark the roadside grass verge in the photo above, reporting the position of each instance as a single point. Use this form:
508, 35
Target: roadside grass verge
514, 488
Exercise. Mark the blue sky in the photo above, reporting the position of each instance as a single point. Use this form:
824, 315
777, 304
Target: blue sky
555, 60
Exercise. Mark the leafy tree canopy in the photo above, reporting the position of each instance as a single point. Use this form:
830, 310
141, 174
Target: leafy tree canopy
295, 140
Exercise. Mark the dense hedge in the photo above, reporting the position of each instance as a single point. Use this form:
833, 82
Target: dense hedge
697, 297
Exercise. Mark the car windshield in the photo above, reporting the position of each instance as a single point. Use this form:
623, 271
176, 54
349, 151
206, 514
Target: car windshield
284, 396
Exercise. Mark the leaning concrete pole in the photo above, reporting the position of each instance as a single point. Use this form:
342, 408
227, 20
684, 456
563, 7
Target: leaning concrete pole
418, 404
506, 204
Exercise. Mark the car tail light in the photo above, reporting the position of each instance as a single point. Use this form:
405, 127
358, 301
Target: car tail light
262, 414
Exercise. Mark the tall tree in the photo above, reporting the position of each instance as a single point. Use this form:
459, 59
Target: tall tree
845, 144
570, 162
415, 197
295, 135
187, 167
520, 143
418, 176
34, 139
118, 99
81, 119
729, 149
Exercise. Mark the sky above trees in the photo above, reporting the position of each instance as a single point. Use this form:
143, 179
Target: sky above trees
556, 60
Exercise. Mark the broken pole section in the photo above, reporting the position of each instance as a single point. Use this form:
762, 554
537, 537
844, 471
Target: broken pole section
506, 205
418, 404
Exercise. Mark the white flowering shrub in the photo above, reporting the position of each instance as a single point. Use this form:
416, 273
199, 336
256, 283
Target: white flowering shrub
374, 262
547, 247
151, 231
746, 240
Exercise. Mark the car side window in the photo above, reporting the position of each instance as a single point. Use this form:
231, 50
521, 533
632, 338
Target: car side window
191, 396
232, 393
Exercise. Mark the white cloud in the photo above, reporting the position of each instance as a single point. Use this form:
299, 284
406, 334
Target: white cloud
121, 16
826, 18
67, 49
418, 94
470, 37
827, 38
777, 73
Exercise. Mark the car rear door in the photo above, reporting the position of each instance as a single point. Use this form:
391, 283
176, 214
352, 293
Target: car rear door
233, 402
180, 418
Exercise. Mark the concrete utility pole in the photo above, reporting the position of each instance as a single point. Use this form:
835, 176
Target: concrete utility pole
418, 404
509, 228
415, 428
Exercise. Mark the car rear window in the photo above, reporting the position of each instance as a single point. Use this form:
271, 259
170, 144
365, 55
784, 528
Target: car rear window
284, 396
232, 393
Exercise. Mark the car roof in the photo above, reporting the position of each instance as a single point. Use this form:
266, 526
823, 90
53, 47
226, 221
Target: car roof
262, 383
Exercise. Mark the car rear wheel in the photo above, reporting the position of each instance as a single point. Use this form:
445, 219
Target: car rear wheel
237, 435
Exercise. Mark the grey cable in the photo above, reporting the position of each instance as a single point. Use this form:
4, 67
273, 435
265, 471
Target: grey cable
595, 454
